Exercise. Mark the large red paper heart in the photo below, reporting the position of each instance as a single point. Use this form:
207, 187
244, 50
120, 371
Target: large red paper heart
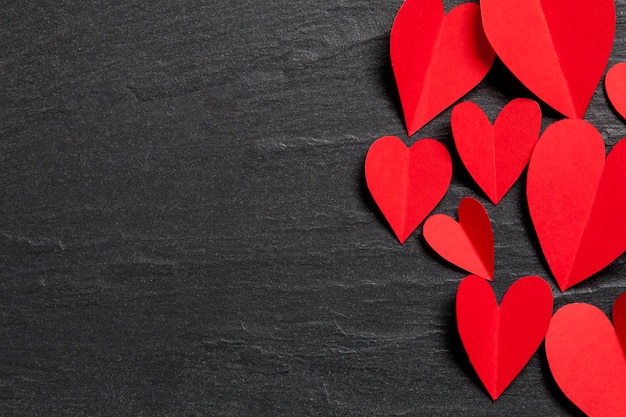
436, 59
557, 48
586, 358
495, 156
499, 341
615, 85
407, 183
577, 200
468, 244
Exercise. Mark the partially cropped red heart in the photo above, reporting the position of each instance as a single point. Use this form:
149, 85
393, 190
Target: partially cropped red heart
467, 244
586, 358
558, 49
407, 183
619, 319
495, 156
499, 341
577, 200
436, 59
615, 85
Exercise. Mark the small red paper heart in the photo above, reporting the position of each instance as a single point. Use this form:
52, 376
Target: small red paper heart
619, 319
586, 358
407, 183
467, 244
615, 85
558, 49
436, 59
499, 341
577, 200
495, 156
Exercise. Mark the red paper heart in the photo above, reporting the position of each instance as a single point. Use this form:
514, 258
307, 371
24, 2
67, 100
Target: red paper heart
501, 340
436, 59
577, 200
558, 48
495, 156
467, 244
619, 319
615, 85
587, 360
407, 183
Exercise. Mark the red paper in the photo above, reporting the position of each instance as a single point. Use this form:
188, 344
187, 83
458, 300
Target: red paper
577, 201
615, 85
436, 59
619, 319
501, 340
407, 184
467, 244
495, 156
558, 48
587, 360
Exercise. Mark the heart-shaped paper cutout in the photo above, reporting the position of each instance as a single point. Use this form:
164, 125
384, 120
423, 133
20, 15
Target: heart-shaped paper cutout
615, 85
495, 156
558, 49
436, 59
407, 183
499, 341
467, 244
619, 319
587, 360
577, 200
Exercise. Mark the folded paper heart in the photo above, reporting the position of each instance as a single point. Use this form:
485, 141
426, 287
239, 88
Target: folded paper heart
436, 59
577, 200
407, 183
495, 156
499, 341
619, 319
586, 358
467, 244
558, 49
615, 86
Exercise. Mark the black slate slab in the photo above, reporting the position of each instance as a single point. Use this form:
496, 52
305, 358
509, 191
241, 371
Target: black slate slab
185, 230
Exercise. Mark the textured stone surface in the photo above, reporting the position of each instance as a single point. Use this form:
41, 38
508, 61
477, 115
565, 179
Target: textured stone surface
184, 227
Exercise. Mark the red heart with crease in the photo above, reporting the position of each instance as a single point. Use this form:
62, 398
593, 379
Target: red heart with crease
577, 200
558, 48
619, 319
436, 58
499, 341
407, 183
467, 244
615, 85
495, 156
587, 358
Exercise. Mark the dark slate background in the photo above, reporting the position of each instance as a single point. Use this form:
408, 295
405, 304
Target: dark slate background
185, 230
